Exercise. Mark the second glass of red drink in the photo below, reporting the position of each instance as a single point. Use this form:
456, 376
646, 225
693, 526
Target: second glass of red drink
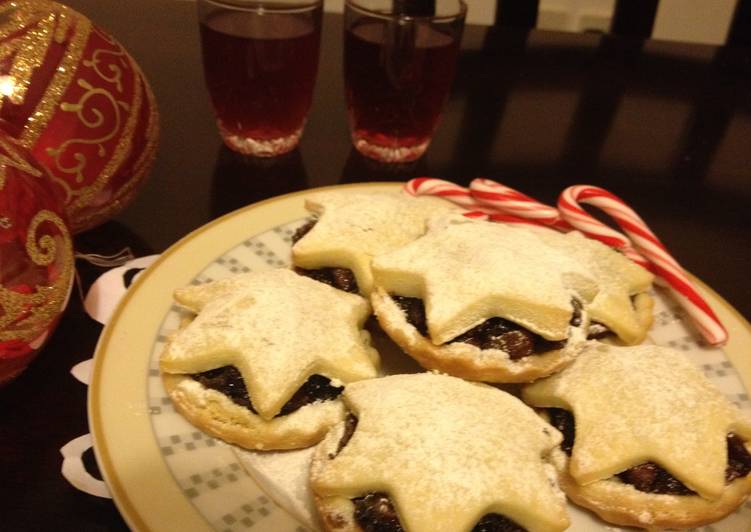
260, 60
399, 63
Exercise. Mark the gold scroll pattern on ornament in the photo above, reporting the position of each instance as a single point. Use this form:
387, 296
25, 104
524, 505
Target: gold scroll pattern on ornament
68, 28
141, 167
97, 62
125, 119
93, 118
26, 317
25, 31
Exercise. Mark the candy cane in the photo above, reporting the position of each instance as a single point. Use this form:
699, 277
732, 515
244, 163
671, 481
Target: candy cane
464, 197
490, 200
429, 186
497, 202
648, 246
510, 201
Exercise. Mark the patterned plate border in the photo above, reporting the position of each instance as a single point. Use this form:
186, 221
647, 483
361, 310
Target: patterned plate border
141, 443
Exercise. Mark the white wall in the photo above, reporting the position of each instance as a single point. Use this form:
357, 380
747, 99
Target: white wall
694, 20
478, 11
701, 21
575, 15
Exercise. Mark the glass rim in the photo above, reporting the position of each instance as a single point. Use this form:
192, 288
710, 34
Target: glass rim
269, 6
461, 14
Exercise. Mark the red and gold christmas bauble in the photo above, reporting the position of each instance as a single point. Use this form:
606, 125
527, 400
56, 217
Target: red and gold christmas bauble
79, 103
36, 258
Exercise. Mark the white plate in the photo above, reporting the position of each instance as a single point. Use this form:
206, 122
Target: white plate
164, 474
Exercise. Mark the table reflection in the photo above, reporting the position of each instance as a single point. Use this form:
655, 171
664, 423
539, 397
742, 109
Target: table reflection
359, 168
239, 180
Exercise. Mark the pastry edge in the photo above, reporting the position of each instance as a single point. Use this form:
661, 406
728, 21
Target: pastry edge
644, 305
214, 413
461, 361
337, 512
622, 504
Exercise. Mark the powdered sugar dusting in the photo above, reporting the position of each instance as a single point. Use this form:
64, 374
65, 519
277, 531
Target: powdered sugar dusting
277, 328
468, 271
643, 403
446, 451
355, 227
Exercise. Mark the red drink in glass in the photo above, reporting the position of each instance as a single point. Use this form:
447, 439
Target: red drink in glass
397, 76
260, 69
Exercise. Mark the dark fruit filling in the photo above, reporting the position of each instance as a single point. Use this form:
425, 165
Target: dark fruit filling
303, 230
497, 523
495, 333
340, 278
739, 459
229, 381
414, 309
650, 477
518, 342
375, 512
350, 424
563, 420
316, 388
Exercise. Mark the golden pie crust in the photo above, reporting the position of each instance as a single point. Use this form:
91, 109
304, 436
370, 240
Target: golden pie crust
446, 451
277, 328
468, 271
640, 404
464, 360
352, 228
217, 415
622, 504
337, 513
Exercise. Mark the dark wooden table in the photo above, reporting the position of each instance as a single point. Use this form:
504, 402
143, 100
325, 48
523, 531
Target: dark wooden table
666, 126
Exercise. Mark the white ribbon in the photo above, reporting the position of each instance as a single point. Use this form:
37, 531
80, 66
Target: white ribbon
100, 303
74, 470
109, 289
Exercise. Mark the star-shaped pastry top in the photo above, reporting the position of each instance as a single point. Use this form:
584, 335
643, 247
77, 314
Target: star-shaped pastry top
278, 328
645, 403
448, 452
616, 279
467, 271
352, 228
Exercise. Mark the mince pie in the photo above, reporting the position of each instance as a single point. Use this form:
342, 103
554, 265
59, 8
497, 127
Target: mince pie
503, 303
648, 441
351, 228
266, 357
430, 452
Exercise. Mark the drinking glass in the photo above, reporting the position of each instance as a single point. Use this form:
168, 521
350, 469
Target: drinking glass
260, 60
399, 63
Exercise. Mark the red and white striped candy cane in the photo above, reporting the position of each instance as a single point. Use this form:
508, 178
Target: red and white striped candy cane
459, 195
648, 247
510, 201
462, 196
573, 214
430, 186
477, 209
